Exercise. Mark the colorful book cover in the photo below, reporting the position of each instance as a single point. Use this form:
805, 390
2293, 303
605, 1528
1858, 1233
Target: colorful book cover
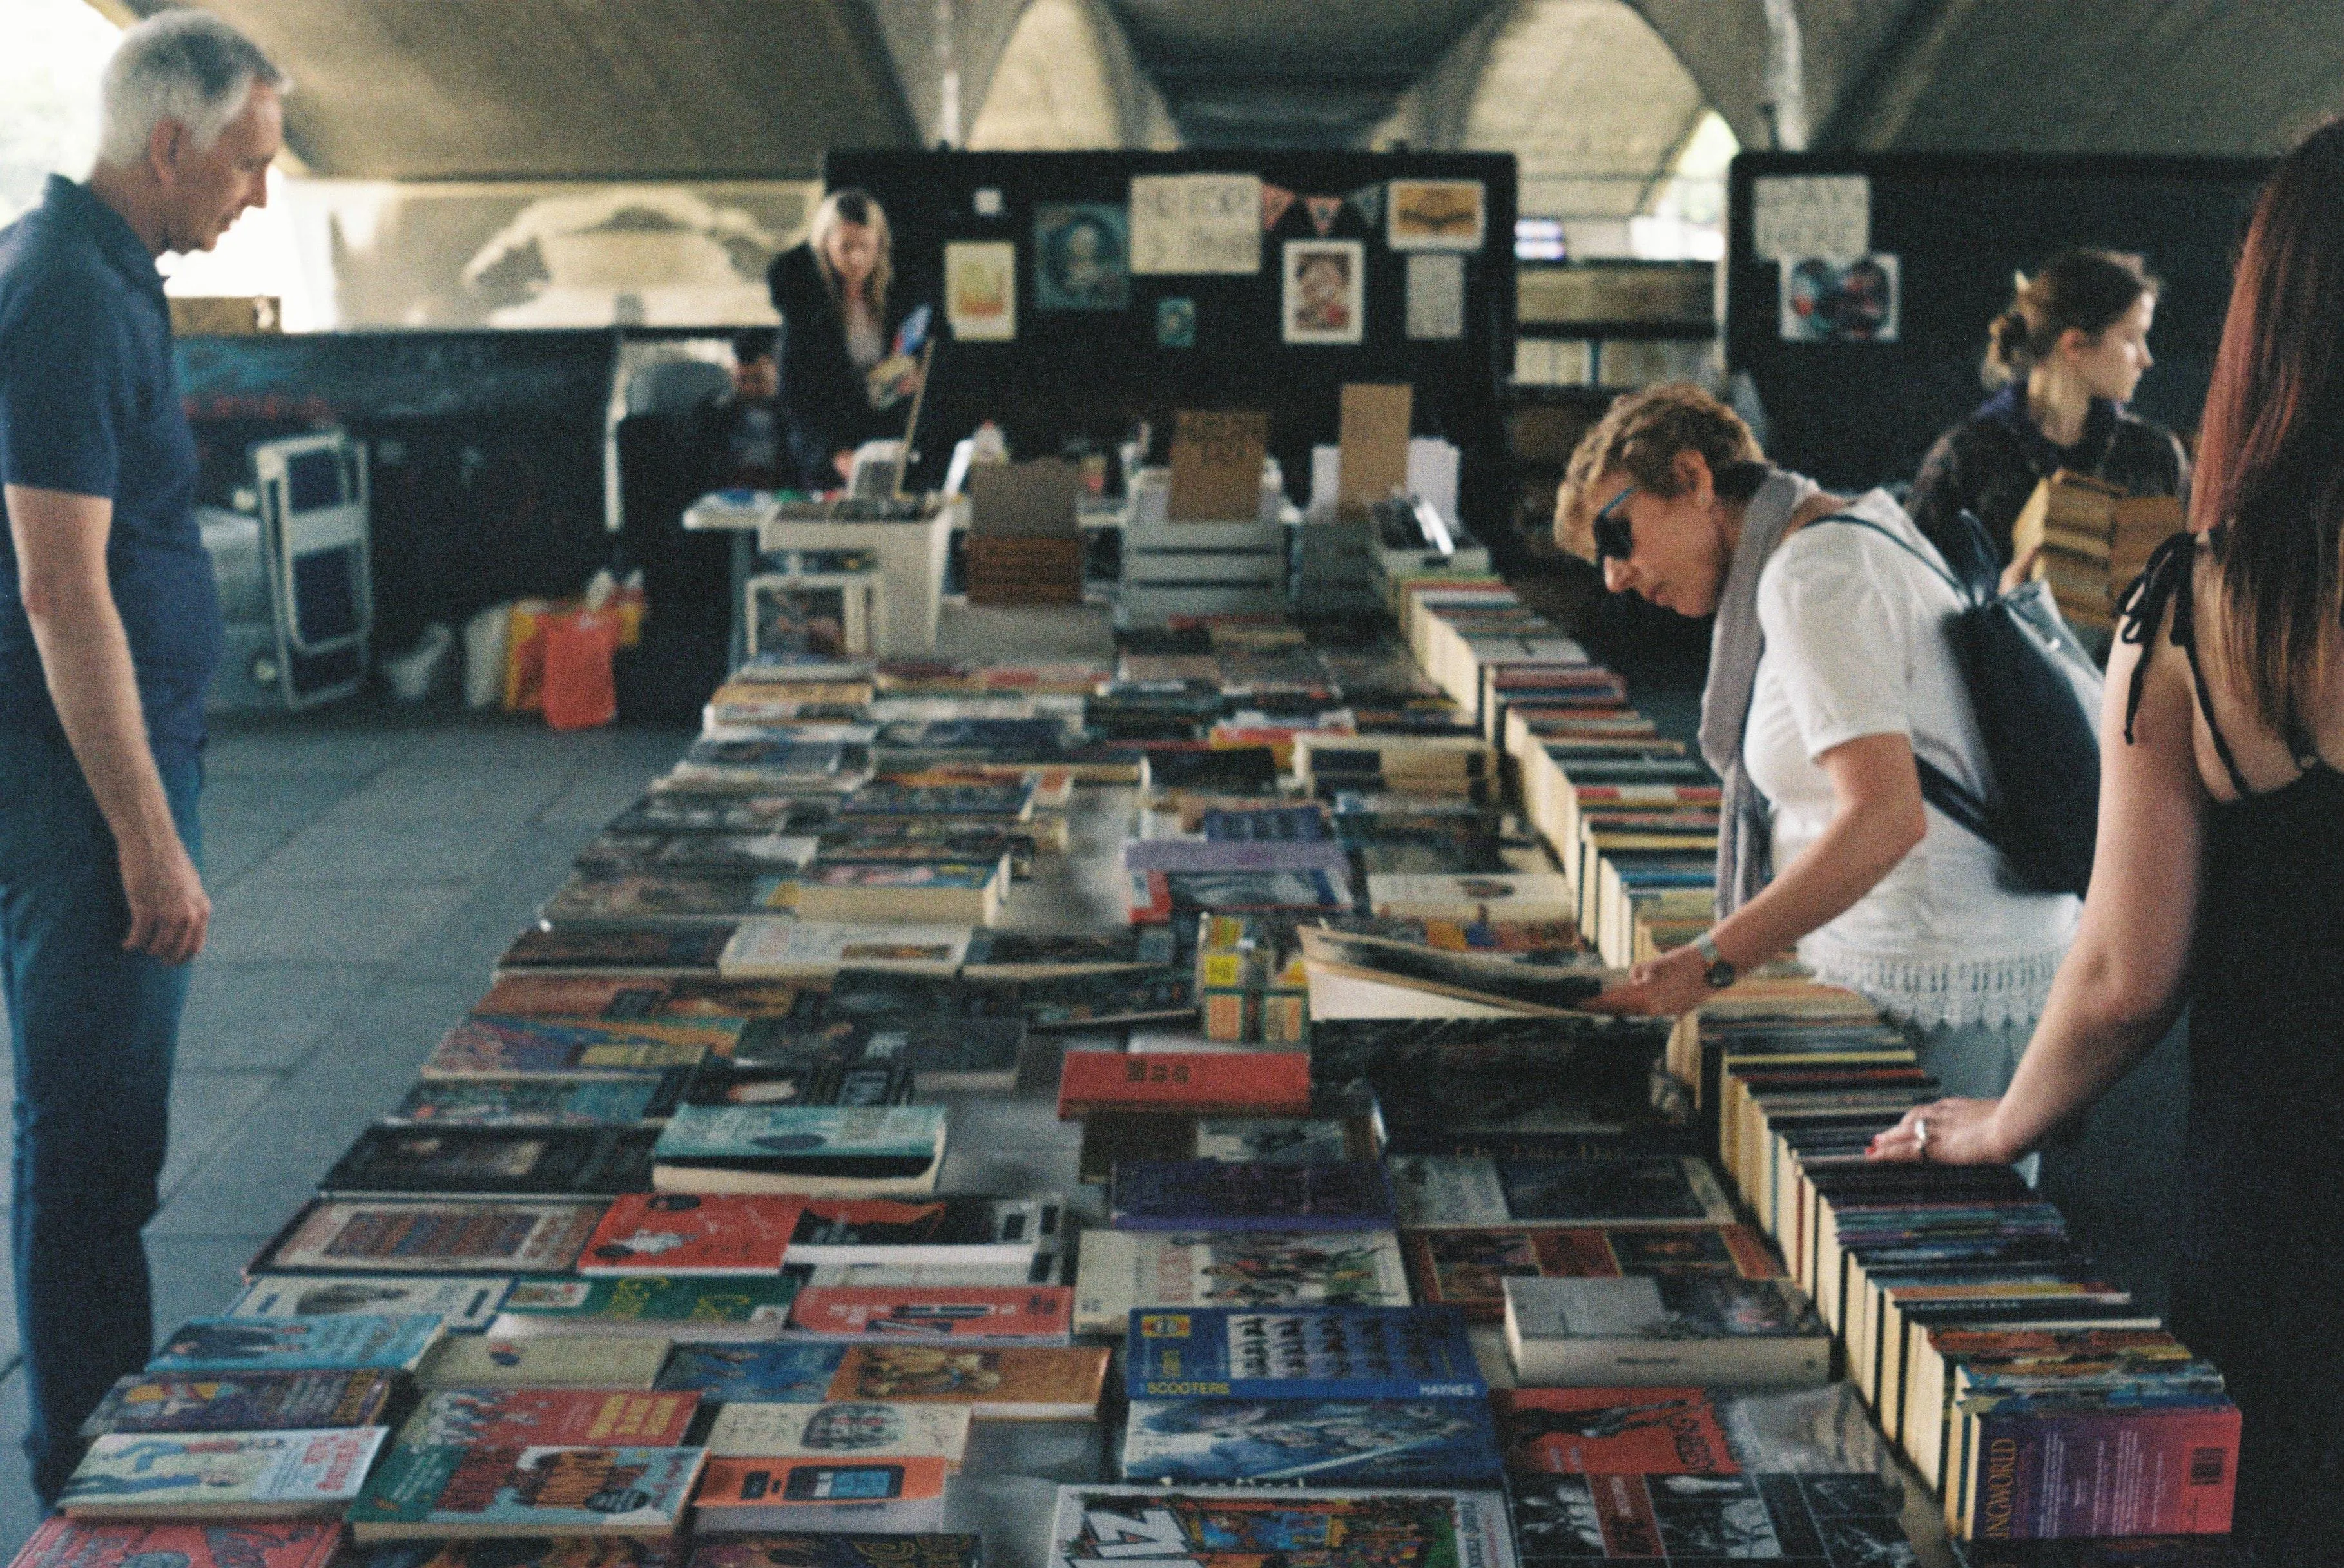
918, 875
1825, 1521
660, 952
609, 997
1205, 1194
684, 1306
359, 1342
575, 1361
313, 1473
510, 1048
685, 811
1330, 1442
813, 1139
1468, 1269
544, 1491
826, 1550
856, 1429
241, 1401
538, 1102
1447, 1193
1196, 1082
1302, 1352
1612, 1432
248, 1544
1122, 1269
2113, 1463
517, 1551
934, 1312
550, 1418
783, 1373
774, 1487
949, 1229
496, 1162
1010, 1381
335, 1237
1011, 801
670, 1233
1243, 1527
464, 1306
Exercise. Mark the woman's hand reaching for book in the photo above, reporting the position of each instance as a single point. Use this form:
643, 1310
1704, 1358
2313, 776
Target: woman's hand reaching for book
1671, 984
1946, 1132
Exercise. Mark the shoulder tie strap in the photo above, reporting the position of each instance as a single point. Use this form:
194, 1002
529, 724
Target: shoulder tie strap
2167, 580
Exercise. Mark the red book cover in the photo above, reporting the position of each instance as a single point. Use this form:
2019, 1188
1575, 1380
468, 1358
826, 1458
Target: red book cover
934, 1312
1468, 1269
551, 1418
1264, 1083
2102, 1468
1612, 1432
673, 1233
61, 1542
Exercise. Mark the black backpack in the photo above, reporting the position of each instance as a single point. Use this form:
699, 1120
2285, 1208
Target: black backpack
2036, 692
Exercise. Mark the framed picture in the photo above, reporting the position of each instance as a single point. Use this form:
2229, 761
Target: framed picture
981, 290
1082, 258
1325, 299
1827, 301
828, 615
1435, 215
1176, 323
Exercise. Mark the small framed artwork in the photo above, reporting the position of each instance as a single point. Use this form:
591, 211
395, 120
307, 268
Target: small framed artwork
1435, 215
1325, 298
828, 615
981, 290
1176, 323
1082, 258
1827, 301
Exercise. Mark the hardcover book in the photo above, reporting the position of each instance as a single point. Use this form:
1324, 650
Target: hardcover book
463, 1306
694, 1307
427, 1493
1334, 1443
482, 1047
69, 1544
556, 1418
1302, 1352
1197, 1082
1449, 1193
389, 1236
582, 1361
338, 1344
1205, 1194
518, 1102
1809, 1521
1705, 1328
241, 1401
677, 1233
856, 1430
295, 1474
1468, 1269
1123, 1270
1248, 1527
495, 1162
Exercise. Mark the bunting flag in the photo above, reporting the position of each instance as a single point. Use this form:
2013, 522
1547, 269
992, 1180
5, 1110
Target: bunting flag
1324, 209
1369, 201
1274, 201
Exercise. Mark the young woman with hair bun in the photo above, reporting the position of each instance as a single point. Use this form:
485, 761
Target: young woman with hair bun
2064, 358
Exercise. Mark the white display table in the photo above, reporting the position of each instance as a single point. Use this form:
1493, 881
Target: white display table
910, 553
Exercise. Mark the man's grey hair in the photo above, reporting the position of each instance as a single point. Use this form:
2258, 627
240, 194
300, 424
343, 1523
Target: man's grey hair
181, 65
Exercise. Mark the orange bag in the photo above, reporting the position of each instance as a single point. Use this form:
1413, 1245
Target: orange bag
579, 690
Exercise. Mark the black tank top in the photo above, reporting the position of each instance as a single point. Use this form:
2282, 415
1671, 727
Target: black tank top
2264, 1177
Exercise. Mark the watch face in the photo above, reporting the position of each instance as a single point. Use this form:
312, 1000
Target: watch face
1719, 975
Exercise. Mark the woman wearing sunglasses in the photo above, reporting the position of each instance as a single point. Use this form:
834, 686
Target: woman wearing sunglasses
1830, 670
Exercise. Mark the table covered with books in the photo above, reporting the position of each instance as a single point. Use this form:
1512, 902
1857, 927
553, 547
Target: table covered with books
1062, 1116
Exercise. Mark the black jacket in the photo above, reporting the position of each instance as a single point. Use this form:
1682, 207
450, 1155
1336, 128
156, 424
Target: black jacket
822, 392
1990, 463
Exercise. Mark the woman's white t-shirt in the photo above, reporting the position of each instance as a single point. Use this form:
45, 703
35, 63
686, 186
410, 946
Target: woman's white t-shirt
1857, 644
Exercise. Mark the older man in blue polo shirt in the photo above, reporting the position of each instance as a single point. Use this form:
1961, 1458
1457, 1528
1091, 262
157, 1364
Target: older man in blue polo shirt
109, 629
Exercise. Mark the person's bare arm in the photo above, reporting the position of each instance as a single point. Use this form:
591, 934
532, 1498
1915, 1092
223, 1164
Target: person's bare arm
60, 540
1877, 819
2121, 986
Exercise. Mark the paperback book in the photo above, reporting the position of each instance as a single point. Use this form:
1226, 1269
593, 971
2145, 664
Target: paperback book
659, 1306
333, 1236
557, 1418
295, 1474
950, 1230
1705, 1328
579, 1361
1336, 1442
63, 1542
859, 1430
1266, 1083
241, 1401
841, 1494
831, 1551
462, 1306
640, 899
1250, 1527
685, 1233
609, 997
1302, 1352
1124, 1270
363, 1342
1807, 1520
628, 951
523, 1102
1468, 1269
433, 1492
1031, 1314
1449, 1193
481, 1047
834, 1151
1205, 1194
495, 1162
814, 950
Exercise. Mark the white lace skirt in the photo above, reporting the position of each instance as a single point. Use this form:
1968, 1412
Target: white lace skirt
1996, 992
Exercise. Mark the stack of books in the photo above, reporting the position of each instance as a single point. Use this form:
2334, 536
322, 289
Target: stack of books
2095, 538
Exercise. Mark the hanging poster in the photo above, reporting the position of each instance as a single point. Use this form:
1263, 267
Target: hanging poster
1176, 323
1435, 215
1082, 258
1827, 301
981, 290
1324, 299
1195, 223
1436, 297
1795, 217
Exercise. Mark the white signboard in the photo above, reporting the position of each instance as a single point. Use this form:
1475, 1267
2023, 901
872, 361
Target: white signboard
1797, 216
1195, 223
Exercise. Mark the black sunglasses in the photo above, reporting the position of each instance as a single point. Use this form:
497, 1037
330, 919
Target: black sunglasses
1615, 541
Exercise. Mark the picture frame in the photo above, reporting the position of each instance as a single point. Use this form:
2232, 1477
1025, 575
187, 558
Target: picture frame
1324, 297
1082, 257
827, 614
1435, 215
981, 290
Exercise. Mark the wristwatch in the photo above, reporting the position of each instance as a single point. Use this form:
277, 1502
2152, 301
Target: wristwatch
1721, 973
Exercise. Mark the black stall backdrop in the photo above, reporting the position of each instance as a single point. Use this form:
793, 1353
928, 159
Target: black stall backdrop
1092, 345
1860, 287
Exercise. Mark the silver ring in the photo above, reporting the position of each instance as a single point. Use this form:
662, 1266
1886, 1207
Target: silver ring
1920, 1136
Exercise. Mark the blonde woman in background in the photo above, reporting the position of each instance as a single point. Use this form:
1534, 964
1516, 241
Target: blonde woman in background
832, 294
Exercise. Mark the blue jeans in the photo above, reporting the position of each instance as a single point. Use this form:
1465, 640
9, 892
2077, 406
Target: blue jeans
93, 1029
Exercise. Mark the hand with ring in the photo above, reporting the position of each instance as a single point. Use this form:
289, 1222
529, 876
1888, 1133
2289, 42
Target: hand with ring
1946, 1132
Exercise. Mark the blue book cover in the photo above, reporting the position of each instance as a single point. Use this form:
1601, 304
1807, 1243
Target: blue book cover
789, 1374
784, 1135
1323, 1442
1215, 1195
357, 1342
1302, 1353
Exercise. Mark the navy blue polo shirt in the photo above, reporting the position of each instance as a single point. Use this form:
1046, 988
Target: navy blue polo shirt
89, 403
